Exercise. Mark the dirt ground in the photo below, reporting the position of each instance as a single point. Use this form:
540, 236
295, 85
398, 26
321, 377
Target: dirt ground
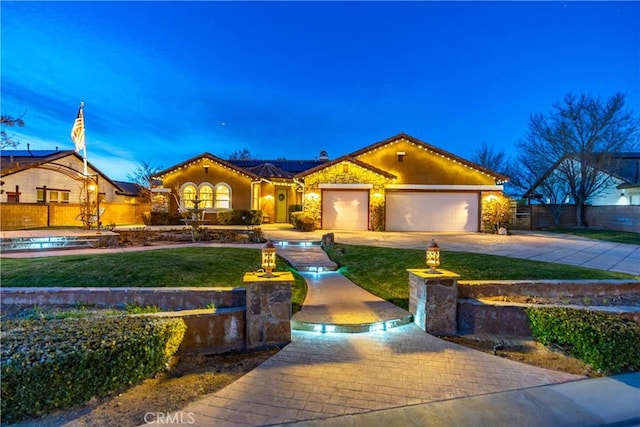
193, 377
528, 351
190, 378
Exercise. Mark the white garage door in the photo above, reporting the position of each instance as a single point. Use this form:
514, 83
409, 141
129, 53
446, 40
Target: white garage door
345, 210
411, 211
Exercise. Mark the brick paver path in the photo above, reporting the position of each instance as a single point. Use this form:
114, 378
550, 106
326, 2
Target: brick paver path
323, 375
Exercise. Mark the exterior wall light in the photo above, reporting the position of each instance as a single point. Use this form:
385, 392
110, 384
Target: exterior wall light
433, 257
268, 259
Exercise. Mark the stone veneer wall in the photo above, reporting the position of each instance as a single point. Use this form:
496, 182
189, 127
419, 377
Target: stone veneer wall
227, 327
508, 319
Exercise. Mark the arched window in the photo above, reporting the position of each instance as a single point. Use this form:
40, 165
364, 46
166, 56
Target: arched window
223, 196
188, 196
206, 196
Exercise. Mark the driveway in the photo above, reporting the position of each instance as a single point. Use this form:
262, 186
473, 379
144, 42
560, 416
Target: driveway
539, 246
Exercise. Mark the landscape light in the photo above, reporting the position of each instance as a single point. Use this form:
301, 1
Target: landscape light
433, 256
268, 259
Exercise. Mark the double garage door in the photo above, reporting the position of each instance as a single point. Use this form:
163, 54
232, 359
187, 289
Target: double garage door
416, 211
405, 211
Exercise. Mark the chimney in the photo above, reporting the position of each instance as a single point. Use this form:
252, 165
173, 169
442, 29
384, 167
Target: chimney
324, 156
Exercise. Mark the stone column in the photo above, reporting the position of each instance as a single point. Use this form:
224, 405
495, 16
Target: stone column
268, 309
433, 300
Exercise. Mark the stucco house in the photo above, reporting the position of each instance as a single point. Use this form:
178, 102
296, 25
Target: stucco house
48, 188
399, 184
618, 177
212, 184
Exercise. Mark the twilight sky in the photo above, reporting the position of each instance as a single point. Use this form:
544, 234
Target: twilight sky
165, 81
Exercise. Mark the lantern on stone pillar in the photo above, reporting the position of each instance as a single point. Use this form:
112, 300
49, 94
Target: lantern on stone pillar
433, 256
268, 259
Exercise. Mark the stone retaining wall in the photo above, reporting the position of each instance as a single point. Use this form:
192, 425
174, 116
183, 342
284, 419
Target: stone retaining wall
508, 319
217, 318
547, 288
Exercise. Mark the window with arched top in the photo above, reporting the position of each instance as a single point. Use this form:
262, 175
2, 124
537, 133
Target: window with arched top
206, 196
188, 196
223, 197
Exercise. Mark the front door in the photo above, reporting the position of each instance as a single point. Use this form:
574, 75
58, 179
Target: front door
281, 205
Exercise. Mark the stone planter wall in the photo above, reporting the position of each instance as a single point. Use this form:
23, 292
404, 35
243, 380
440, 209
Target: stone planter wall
217, 318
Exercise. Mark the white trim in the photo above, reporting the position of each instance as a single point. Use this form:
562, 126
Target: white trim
346, 186
443, 187
161, 190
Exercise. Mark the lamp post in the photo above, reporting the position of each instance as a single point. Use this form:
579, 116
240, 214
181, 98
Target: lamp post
268, 259
433, 257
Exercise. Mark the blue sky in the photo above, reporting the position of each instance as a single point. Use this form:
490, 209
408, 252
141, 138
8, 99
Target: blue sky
165, 81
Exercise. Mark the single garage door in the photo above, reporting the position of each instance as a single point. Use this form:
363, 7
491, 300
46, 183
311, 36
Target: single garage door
345, 209
413, 211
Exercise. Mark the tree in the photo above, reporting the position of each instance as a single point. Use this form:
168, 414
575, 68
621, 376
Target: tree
7, 140
243, 154
486, 156
577, 140
142, 176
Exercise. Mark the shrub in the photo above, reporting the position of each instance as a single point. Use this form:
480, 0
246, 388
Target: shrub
239, 217
161, 218
58, 364
496, 214
607, 342
303, 221
377, 217
292, 209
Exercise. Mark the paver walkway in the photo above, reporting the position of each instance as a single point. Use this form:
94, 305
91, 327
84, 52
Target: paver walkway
335, 304
324, 375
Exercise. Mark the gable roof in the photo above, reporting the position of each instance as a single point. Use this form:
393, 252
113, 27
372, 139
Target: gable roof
347, 159
14, 161
627, 169
269, 170
210, 157
291, 166
129, 188
432, 148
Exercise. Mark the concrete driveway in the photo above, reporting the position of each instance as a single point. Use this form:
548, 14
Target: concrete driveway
539, 246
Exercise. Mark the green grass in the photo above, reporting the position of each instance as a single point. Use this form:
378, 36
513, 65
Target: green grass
198, 267
606, 235
382, 271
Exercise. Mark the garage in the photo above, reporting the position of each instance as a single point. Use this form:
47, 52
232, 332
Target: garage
345, 209
441, 211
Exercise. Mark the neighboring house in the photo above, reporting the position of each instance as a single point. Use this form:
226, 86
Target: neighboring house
48, 188
397, 184
211, 184
52, 176
620, 182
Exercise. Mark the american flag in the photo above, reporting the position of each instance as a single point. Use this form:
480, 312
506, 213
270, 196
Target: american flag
77, 132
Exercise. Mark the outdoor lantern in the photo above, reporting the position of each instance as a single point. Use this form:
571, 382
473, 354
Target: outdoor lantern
433, 256
268, 259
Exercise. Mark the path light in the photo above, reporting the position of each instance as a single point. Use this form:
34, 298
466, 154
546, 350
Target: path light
268, 259
433, 256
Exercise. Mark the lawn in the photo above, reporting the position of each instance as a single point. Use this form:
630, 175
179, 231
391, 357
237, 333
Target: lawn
197, 267
382, 271
606, 235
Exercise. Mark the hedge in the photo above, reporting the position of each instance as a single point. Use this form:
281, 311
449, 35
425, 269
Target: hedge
58, 364
607, 342
162, 218
292, 209
239, 217
303, 221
